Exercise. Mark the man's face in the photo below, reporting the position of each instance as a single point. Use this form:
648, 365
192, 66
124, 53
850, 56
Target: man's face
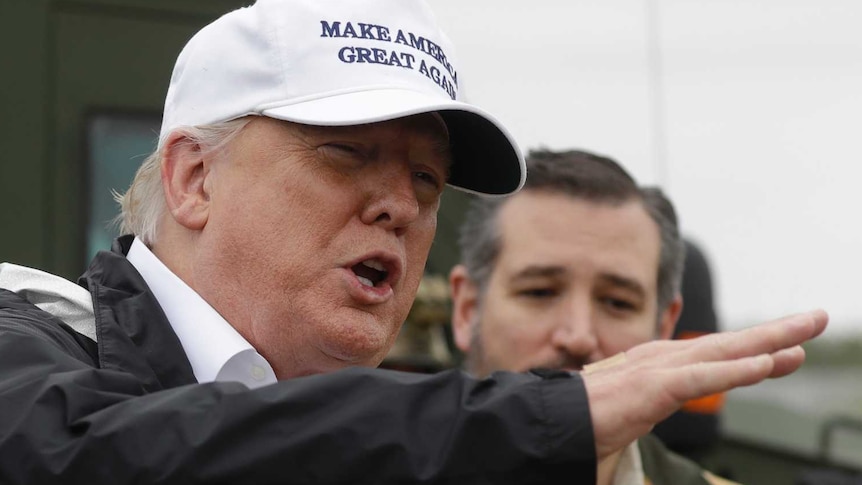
574, 282
317, 237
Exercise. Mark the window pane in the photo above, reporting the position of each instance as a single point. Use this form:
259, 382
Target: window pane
117, 145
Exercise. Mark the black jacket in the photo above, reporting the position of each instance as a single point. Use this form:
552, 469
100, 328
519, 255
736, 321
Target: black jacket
128, 410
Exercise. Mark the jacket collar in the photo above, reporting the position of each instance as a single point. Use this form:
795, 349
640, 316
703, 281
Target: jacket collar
133, 333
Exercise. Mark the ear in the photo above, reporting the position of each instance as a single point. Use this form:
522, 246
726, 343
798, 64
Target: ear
669, 317
184, 175
465, 298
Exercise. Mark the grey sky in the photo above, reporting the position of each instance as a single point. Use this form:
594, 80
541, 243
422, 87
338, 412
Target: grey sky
748, 112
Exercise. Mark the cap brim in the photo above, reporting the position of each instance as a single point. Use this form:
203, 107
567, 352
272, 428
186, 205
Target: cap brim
486, 159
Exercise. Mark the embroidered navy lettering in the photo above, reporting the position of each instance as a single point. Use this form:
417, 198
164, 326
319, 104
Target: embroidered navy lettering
333, 30
364, 55
349, 31
400, 59
407, 59
400, 38
366, 31
374, 32
347, 55
434, 74
418, 43
429, 47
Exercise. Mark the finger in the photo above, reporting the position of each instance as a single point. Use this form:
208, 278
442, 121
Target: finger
767, 338
821, 321
702, 379
626, 402
764, 338
787, 361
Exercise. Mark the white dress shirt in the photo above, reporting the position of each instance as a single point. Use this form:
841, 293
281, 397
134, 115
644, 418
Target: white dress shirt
216, 351
630, 469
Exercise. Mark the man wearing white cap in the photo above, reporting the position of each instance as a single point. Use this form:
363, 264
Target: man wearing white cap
276, 240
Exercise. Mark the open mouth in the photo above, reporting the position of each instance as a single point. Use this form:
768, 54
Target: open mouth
371, 272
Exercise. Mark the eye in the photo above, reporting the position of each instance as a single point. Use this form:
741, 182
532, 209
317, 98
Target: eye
619, 304
340, 149
428, 178
538, 293
343, 156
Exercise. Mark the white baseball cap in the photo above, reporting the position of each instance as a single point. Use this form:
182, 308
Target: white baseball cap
337, 63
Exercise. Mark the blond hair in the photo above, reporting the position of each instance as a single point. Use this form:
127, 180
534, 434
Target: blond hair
143, 204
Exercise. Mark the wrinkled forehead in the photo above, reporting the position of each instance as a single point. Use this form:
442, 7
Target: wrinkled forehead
546, 228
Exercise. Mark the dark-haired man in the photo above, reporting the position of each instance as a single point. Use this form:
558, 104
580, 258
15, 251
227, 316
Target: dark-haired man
580, 265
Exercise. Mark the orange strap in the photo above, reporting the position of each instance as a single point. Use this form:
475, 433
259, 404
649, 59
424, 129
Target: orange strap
711, 404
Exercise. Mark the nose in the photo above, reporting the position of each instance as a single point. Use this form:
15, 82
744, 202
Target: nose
392, 202
575, 334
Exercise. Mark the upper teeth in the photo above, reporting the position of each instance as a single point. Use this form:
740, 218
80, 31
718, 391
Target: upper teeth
374, 264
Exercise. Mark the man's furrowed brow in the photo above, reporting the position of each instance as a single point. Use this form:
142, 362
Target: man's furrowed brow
625, 282
539, 271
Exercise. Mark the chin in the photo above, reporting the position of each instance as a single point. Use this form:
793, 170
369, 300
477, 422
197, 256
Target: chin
366, 336
341, 357
365, 351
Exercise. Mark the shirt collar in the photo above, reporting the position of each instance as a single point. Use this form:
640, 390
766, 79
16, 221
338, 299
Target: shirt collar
630, 469
223, 355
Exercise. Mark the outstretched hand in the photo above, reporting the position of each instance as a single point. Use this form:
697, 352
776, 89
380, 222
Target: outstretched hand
630, 394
